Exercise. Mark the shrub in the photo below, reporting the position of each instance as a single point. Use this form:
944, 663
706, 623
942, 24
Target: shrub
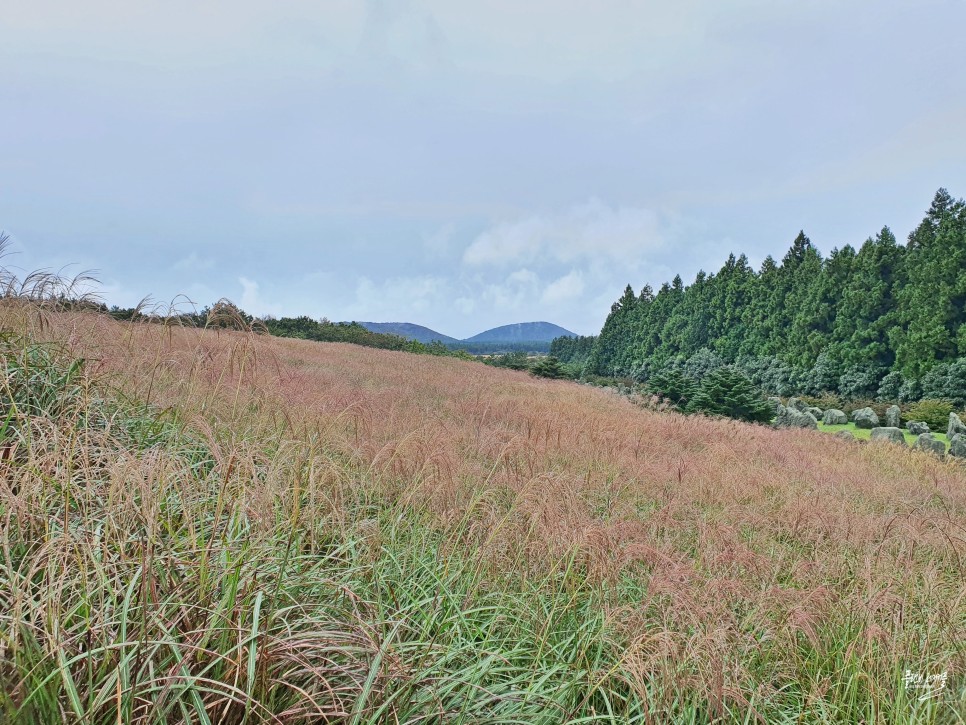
703, 362
513, 360
549, 367
891, 387
910, 391
946, 381
774, 376
727, 392
931, 411
877, 405
673, 385
861, 381
824, 401
647, 369
823, 377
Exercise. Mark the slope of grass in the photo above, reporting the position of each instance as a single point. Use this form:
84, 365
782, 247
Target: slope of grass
864, 434
226, 528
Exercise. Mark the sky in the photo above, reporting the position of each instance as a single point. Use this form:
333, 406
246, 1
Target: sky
463, 165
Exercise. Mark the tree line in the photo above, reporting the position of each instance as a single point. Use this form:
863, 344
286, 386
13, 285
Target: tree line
885, 320
225, 314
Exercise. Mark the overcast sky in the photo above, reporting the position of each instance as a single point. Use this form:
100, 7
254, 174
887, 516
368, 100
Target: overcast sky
463, 165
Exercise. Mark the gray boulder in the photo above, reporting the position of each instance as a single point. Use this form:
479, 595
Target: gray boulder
955, 426
797, 404
893, 414
865, 418
888, 433
925, 442
775, 403
834, 416
814, 412
791, 418
957, 445
917, 427
845, 435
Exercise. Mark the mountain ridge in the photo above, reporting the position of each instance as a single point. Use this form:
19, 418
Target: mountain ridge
513, 333
522, 332
411, 331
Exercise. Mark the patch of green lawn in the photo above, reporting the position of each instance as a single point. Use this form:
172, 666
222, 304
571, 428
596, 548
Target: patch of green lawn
863, 434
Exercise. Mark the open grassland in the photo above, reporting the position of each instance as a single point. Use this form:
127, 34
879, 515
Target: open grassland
223, 528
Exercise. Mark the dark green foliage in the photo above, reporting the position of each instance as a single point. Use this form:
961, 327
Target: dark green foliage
860, 381
511, 360
497, 348
674, 386
931, 309
573, 350
702, 363
866, 323
879, 407
306, 328
946, 380
772, 374
825, 401
726, 392
934, 412
891, 386
548, 367
824, 376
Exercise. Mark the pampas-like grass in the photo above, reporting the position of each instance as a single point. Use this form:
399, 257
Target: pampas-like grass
202, 526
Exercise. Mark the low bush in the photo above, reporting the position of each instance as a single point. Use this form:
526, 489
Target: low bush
946, 381
931, 411
849, 406
824, 401
549, 367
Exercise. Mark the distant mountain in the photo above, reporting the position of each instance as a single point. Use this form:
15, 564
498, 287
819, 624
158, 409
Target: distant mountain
522, 332
410, 331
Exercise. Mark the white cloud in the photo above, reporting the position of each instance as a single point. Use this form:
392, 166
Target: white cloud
513, 292
393, 299
193, 263
439, 242
252, 302
565, 289
585, 232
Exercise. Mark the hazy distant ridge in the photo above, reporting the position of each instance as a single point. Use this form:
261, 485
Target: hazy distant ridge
518, 332
522, 332
410, 331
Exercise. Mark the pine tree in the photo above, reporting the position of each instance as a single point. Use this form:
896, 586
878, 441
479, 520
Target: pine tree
549, 367
932, 301
728, 393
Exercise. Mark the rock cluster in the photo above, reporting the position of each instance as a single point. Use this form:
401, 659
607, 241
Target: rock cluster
917, 427
865, 418
955, 426
892, 416
833, 416
957, 445
788, 417
925, 442
888, 433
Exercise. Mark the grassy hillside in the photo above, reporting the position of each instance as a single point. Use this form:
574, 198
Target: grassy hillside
201, 526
